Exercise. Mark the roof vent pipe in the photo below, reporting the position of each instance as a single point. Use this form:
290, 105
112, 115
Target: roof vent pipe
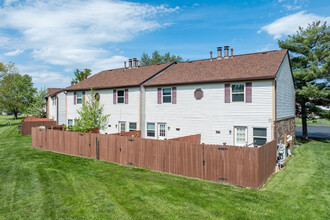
219, 49
211, 55
226, 50
231, 52
130, 63
125, 65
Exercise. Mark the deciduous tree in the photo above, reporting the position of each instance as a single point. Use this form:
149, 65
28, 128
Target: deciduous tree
157, 58
38, 105
16, 93
90, 114
80, 75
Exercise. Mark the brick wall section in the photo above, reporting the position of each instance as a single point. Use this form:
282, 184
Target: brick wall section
285, 126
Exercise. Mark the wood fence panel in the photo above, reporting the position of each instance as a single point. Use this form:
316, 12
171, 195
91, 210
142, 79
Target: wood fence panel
242, 166
267, 162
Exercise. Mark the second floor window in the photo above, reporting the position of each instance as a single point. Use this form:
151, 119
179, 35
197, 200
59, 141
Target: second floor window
79, 97
120, 96
167, 95
237, 92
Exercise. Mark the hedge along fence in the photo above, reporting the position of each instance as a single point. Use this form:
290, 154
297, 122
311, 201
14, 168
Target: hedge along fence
241, 166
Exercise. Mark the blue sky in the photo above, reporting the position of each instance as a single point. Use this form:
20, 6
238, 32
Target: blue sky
50, 39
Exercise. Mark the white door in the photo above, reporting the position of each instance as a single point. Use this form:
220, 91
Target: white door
122, 126
240, 136
161, 131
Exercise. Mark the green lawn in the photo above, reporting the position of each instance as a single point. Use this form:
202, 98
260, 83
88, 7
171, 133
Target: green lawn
36, 184
324, 122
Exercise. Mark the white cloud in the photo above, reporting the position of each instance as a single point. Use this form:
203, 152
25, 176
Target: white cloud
73, 33
14, 53
288, 25
50, 79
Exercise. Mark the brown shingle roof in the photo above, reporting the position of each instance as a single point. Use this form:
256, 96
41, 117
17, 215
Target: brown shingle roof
117, 78
262, 65
53, 91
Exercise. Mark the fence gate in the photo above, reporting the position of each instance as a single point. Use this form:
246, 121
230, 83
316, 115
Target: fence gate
216, 163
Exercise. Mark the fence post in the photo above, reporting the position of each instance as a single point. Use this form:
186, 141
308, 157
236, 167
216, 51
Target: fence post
97, 149
203, 165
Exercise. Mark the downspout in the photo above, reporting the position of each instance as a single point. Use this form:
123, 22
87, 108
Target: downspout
57, 110
140, 108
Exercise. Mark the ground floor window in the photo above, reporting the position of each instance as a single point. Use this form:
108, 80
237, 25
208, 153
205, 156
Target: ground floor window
259, 136
70, 122
122, 126
151, 129
132, 126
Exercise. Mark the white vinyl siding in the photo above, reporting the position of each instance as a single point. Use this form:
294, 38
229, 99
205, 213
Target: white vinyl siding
211, 114
127, 112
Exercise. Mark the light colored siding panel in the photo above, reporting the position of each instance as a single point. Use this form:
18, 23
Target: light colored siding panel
61, 108
211, 113
285, 96
118, 112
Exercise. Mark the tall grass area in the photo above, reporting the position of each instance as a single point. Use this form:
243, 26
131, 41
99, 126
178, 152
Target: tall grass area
37, 184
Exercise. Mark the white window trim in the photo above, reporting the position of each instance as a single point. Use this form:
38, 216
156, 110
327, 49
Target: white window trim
79, 98
154, 137
121, 96
231, 92
167, 95
129, 127
119, 126
260, 136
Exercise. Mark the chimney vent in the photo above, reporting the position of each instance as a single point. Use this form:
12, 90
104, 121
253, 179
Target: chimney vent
211, 55
137, 63
85, 77
130, 63
226, 52
232, 52
219, 49
125, 65
134, 62
72, 83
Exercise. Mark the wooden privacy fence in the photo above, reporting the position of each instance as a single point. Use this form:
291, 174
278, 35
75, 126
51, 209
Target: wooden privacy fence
30, 122
241, 166
194, 139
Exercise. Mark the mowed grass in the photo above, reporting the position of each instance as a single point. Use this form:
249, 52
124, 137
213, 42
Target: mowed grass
37, 184
322, 122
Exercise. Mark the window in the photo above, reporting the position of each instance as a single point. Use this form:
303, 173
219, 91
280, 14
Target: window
70, 122
167, 95
132, 126
120, 96
79, 97
259, 136
151, 129
122, 126
237, 92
